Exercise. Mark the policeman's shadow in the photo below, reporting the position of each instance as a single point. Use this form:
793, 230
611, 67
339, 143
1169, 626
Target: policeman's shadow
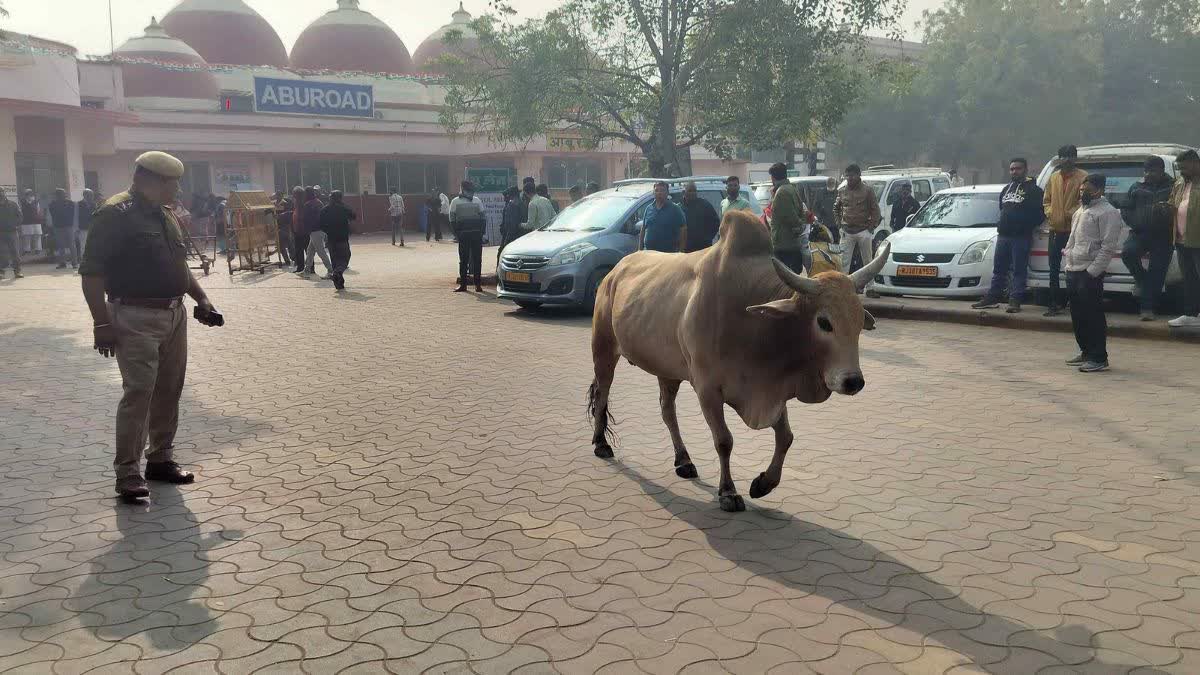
776, 545
145, 582
353, 296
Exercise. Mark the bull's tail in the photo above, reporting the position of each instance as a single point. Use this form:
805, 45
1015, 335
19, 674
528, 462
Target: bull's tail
601, 419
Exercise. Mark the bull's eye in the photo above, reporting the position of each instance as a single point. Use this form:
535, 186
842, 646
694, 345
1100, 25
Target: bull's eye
825, 324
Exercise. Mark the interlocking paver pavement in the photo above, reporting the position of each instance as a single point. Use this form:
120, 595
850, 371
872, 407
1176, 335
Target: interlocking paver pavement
399, 479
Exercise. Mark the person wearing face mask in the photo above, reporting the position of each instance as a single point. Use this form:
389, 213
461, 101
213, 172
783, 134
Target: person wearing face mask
1095, 239
1149, 216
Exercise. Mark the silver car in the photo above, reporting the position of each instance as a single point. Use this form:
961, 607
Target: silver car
564, 262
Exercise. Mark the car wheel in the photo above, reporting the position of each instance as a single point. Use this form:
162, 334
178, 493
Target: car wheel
593, 287
528, 304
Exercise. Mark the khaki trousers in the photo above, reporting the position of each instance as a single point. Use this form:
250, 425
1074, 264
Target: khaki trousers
152, 356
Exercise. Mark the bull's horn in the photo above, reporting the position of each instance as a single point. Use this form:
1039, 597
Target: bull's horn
864, 276
802, 285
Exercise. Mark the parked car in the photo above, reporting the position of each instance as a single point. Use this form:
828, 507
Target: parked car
1122, 164
886, 181
947, 247
563, 262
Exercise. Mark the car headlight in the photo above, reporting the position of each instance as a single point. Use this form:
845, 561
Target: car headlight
572, 254
975, 253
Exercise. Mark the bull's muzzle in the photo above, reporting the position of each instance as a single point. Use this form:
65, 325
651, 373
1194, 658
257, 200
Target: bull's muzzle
852, 383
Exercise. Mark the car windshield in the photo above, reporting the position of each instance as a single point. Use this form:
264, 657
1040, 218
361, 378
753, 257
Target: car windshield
591, 215
972, 209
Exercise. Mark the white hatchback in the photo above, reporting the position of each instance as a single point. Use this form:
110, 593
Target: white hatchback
947, 247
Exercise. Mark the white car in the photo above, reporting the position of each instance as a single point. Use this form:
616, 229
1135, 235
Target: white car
947, 247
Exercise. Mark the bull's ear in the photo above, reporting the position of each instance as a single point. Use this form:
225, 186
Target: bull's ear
780, 309
868, 321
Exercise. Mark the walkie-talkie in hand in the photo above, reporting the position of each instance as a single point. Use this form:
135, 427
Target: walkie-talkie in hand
208, 318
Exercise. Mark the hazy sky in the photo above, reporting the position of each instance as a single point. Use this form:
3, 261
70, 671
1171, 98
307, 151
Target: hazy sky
84, 23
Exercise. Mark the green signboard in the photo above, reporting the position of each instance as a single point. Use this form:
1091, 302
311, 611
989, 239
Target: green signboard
490, 180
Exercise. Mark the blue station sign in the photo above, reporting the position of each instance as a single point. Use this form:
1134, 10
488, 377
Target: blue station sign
305, 97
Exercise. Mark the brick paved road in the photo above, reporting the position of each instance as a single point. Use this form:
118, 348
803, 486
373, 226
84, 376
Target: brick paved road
400, 479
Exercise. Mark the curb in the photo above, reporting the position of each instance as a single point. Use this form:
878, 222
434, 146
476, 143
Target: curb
1157, 330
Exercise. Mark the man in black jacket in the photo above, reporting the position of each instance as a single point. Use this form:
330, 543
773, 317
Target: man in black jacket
1149, 218
335, 223
511, 219
1021, 213
700, 219
903, 206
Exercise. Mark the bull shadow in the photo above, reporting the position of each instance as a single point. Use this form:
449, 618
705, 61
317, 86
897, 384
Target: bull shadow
842, 568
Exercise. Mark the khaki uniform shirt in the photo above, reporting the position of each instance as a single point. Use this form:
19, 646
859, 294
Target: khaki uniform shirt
138, 248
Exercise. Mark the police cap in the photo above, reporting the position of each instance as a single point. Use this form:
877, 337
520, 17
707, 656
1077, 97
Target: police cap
160, 163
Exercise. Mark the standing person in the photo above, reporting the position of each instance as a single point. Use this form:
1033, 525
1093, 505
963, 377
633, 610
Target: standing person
543, 190
1185, 201
10, 237
316, 236
700, 220
300, 229
284, 210
510, 219
856, 211
955, 179
1095, 239
662, 221
902, 207
1149, 215
396, 213
335, 224
136, 255
734, 201
434, 202
63, 218
32, 218
467, 221
539, 210
788, 238
87, 206
1020, 214
443, 213
1060, 202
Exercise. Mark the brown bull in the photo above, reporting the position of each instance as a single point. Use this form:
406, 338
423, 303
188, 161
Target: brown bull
738, 325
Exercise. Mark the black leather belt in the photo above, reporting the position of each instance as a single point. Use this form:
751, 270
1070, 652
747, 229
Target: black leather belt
150, 303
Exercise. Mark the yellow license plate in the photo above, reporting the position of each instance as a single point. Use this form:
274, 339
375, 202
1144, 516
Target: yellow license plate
518, 277
916, 271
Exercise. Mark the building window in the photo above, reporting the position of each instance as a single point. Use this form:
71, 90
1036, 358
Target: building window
563, 172
329, 174
197, 180
410, 178
40, 172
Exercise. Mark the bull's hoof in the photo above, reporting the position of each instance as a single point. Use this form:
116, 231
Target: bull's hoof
732, 503
604, 451
761, 487
687, 471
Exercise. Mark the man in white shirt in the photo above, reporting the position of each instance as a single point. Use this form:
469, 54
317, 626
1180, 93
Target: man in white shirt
396, 211
443, 212
541, 211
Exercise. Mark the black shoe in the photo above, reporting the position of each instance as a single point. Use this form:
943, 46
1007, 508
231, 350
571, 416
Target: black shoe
986, 303
461, 289
1078, 360
132, 487
339, 282
479, 289
168, 472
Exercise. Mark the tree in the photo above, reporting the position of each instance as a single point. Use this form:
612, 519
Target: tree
664, 75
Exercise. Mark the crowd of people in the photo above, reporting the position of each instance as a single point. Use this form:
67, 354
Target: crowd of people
314, 224
27, 229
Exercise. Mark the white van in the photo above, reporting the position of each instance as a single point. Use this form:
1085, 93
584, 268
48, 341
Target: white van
1122, 165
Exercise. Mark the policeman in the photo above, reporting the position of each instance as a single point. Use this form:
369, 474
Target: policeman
135, 254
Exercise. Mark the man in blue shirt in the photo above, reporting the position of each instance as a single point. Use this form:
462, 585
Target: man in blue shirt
662, 222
